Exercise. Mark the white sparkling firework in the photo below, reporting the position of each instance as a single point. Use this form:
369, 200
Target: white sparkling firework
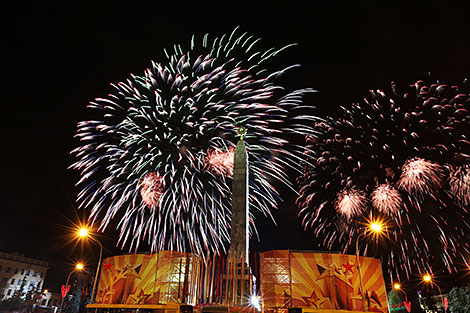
419, 176
459, 181
386, 199
161, 150
350, 202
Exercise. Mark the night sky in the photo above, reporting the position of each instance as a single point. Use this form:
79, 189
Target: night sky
60, 58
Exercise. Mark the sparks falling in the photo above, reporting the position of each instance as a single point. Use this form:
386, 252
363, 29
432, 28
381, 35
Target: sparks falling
386, 199
350, 202
420, 176
399, 148
159, 156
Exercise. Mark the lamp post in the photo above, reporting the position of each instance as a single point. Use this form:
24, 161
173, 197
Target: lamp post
78, 267
397, 286
427, 278
375, 227
85, 233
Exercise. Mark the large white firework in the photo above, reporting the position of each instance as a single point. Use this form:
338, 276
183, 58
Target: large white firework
157, 157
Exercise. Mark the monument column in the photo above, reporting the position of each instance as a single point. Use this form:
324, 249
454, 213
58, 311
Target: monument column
239, 223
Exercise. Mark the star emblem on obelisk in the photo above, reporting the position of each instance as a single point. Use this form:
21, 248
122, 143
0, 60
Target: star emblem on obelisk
241, 131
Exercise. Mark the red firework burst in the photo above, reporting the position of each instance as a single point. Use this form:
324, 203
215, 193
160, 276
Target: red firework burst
151, 189
220, 161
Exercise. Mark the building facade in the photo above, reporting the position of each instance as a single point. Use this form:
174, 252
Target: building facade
20, 275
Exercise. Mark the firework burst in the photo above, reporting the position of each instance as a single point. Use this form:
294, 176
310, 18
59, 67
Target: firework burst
350, 202
386, 199
420, 176
459, 182
159, 157
397, 148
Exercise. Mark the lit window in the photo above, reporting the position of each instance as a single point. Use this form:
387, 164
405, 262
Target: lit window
19, 282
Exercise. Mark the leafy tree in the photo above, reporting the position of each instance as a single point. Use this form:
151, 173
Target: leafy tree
459, 300
395, 299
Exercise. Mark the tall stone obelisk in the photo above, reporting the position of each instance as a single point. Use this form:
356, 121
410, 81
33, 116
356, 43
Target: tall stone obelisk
239, 224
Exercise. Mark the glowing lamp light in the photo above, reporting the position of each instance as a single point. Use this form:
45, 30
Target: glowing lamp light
79, 266
427, 278
377, 227
45, 291
397, 286
83, 232
255, 302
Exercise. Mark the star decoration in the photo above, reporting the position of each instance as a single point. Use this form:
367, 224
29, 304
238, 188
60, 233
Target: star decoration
349, 267
107, 266
140, 298
315, 301
129, 271
332, 271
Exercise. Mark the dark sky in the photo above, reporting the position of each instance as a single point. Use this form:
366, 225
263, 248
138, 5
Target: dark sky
61, 57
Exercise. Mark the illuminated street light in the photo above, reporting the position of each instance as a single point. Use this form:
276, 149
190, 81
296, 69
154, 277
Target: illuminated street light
83, 233
78, 267
397, 286
375, 227
427, 278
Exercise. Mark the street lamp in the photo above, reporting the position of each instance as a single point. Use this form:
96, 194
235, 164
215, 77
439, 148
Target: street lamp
397, 286
84, 233
375, 227
78, 267
427, 278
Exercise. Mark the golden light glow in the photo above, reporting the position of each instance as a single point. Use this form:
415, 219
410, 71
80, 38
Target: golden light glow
45, 291
79, 266
397, 286
427, 278
376, 227
83, 232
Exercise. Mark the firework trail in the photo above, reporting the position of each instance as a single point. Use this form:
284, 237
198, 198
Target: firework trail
159, 158
407, 154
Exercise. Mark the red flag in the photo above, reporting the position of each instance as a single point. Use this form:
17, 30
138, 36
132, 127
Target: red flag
407, 305
64, 290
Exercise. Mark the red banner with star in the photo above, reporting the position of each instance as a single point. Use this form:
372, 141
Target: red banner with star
320, 281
